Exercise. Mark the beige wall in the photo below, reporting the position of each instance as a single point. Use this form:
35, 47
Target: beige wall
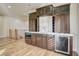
78, 28
26, 21
1, 26
74, 25
7, 23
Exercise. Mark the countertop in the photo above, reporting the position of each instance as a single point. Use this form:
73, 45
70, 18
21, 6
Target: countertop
49, 33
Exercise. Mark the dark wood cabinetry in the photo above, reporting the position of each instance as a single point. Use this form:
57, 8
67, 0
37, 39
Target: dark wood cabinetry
62, 23
47, 10
64, 9
39, 40
32, 21
47, 41
33, 39
28, 38
60, 20
44, 41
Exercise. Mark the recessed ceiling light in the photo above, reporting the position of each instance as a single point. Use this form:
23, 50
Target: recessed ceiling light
9, 6
24, 14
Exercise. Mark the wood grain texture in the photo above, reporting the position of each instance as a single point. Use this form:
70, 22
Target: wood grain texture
62, 24
12, 47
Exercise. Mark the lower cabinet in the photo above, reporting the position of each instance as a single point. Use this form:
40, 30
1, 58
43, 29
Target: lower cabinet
44, 41
41, 40
33, 39
71, 46
28, 38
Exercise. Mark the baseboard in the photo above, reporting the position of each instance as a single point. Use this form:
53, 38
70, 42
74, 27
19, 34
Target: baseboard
75, 53
1, 37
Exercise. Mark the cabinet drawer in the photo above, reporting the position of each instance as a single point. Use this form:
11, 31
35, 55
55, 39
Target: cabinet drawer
44, 41
39, 42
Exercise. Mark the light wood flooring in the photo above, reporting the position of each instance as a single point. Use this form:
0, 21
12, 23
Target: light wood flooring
11, 47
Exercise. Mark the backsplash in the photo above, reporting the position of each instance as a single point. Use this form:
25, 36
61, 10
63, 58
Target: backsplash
45, 24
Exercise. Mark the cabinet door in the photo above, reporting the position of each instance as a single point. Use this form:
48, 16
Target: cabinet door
62, 23
39, 40
39, 11
47, 10
30, 24
33, 25
64, 9
28, 39
57, 23
32, 19
34, 39
44, 41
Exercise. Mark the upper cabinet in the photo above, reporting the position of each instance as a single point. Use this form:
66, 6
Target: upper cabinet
47, 10
33, 15
64, 9
50, 10
32, 21
60, 18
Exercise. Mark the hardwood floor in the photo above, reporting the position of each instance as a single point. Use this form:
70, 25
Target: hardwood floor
11, 47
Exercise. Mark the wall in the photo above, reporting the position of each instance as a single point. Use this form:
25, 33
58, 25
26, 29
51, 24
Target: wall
16, 23
25, 19
7, 23
74, 26
1, 26
78, 28
20, 25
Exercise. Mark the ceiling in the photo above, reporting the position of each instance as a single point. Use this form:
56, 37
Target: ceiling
20, 9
